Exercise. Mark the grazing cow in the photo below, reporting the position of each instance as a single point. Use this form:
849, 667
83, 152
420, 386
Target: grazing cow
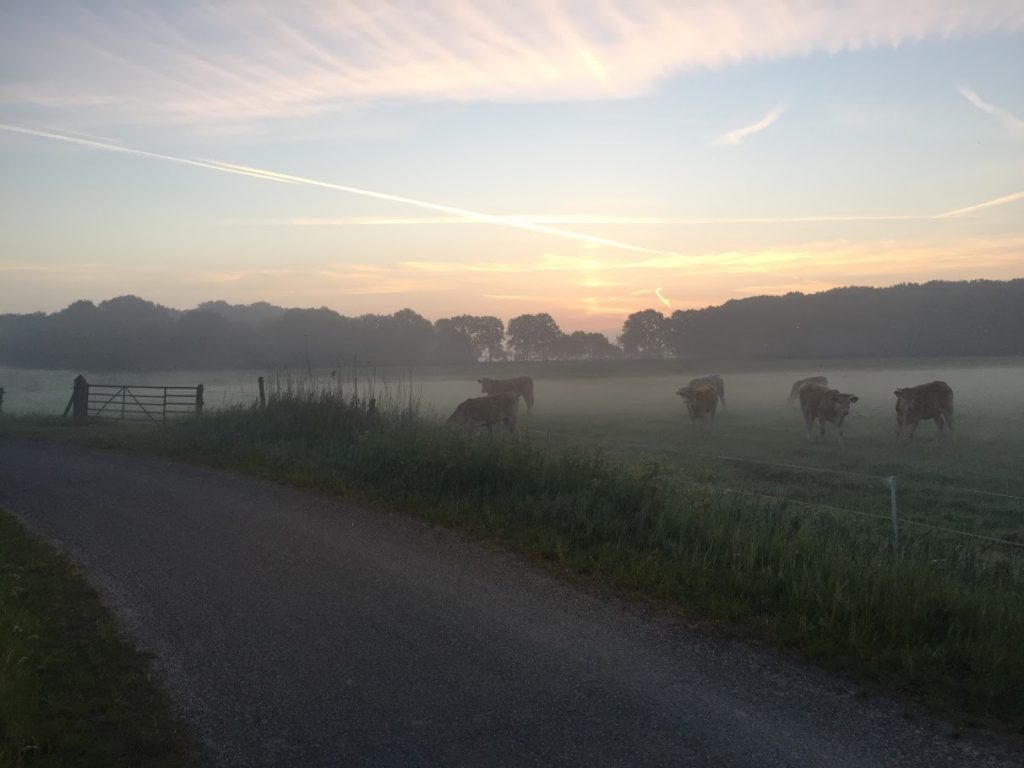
926, 401
701, 402
713, 380
795, 391
824, 404
502, 408
522, 387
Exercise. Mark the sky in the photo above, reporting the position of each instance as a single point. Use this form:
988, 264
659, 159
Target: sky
588, 158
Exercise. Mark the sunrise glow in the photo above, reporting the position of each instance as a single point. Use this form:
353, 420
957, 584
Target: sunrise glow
480, 159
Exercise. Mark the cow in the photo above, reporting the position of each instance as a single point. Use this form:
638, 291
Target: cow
501, 408
926, 401
713, 380
521, 386
795, 391
819, 402
701, 402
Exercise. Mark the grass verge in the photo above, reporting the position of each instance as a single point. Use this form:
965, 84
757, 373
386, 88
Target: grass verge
73, 692
941, 618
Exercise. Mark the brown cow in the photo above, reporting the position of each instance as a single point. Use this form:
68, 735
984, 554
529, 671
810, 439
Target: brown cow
824, 404
521, 386
701, 402
713, 380
925, 401
795, 391
502, 408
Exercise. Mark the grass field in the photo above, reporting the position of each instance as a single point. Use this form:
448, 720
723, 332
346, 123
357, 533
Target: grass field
72, 691
608, 478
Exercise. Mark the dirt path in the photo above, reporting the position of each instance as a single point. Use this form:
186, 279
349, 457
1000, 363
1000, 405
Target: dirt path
295, 629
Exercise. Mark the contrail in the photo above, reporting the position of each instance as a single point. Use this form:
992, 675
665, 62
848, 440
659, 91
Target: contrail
1011, 198
285, 178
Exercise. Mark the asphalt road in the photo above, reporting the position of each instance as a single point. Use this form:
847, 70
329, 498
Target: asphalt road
295, 629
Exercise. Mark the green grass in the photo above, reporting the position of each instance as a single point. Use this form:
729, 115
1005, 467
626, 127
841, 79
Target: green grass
609, 479
72, 691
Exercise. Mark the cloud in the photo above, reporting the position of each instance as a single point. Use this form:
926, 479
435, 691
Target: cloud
1004, 200
218, 63
661, 297
1004, 116
568, 219
738, 135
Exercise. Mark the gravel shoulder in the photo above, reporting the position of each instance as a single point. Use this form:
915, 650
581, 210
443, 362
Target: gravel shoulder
294, 628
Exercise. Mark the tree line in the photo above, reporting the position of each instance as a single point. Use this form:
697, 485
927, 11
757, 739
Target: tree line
130, 333
979, 317
956, 319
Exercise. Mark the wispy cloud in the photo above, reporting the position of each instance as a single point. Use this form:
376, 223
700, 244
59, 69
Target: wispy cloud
1004, 200
569, 219
661, 297
1004, 116
214, 63
577, 219
738, 135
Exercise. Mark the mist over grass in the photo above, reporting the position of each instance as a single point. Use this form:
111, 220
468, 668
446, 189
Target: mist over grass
607, 477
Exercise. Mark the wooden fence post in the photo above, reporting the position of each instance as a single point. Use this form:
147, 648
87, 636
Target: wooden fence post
895, 515
1, 399
263, 397
199, 400
80, 401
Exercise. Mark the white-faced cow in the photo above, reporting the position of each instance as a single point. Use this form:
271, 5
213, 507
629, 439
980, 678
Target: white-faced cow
826, 405
521, 386
926, 401
701, 402
502, 408
795, 391
714, 380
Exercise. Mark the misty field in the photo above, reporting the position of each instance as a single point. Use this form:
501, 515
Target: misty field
608, 478
629, 411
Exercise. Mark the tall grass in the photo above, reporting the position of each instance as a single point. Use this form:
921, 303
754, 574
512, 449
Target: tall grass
938, 616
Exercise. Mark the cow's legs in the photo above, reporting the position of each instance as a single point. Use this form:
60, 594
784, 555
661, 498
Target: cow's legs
809, 421
939, 423
821, 436
913, 429
948, 416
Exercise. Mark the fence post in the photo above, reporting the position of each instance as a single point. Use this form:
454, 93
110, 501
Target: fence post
1, 399
895, 515
80, 401
199, 400
263, 397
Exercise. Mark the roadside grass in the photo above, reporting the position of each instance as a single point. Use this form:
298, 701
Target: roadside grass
73, 692
939, 617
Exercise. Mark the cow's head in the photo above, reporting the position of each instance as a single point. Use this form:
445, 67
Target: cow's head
841, 403
484, 384
904, 402
689, 395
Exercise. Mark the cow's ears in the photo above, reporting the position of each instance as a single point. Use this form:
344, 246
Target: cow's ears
479, 381
898, 392
854, 398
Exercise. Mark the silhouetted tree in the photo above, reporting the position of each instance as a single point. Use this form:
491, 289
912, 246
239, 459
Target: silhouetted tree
643, 334
581, 345
533, 337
